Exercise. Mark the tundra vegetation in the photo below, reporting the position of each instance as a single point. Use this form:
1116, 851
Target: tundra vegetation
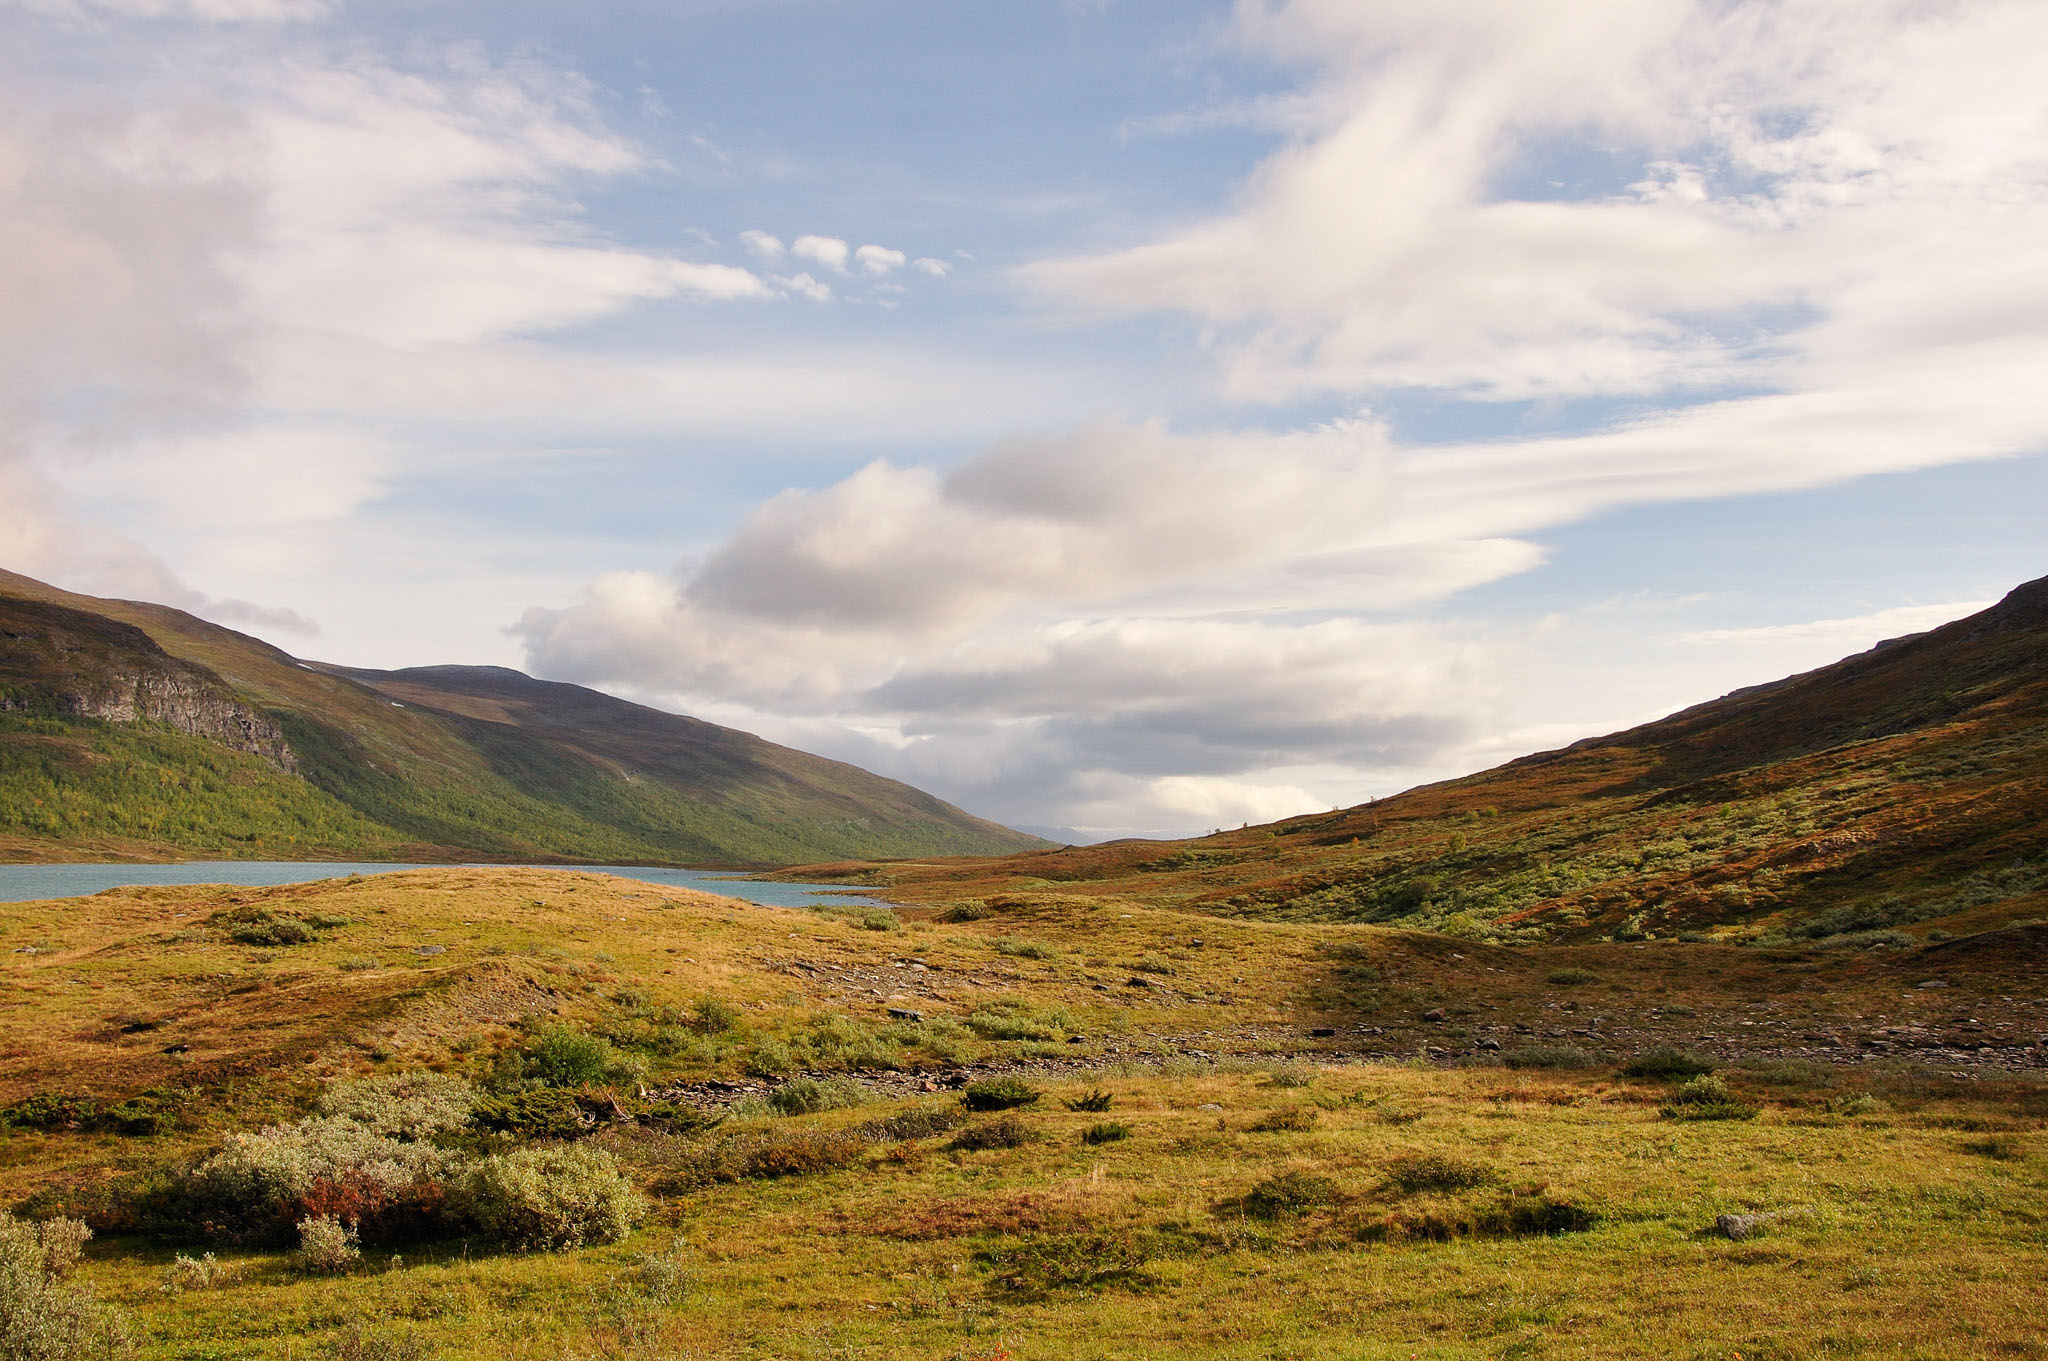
609, 1120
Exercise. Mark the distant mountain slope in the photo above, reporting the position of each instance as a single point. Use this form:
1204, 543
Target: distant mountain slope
130, 729
1903, 787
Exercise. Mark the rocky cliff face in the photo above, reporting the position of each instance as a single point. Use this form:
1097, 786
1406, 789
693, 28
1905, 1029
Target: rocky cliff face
66, 663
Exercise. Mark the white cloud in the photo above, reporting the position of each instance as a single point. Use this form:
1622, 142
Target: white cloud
879, 260
203, 11
937, 269
1226, 803
1843, 635
769, 248
1800, 184
805, 286
828, 251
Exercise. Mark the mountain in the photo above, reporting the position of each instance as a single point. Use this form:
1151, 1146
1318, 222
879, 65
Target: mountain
1903, 787
134, 730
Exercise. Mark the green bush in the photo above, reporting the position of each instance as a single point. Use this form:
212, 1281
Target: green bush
1088, 1261
807, 1096
999, 1094
136, 1117
1108, 1132
1022, 949
1667, 1062
1571, 978
1288, 1193
561, 1056
1705, 1097
410, 1106
1005, 1131
715, 1016
1094, 1103
546, 1113
43, 1317
1286, 1120
258, 1186
1438, 1172
327, 1247
559, 1196
1015, 1021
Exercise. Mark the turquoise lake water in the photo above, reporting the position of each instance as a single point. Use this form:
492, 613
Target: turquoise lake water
26, 883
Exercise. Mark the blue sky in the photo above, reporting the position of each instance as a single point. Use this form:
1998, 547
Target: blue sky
1116, 417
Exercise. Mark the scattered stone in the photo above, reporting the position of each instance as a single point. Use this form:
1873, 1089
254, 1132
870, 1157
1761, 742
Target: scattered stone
430, 949
906, 1014
1736, 1228
1433, 1014
1933, 983
1139, 983
1324, 1032
1489, 1044
177, 1049
1210, 1106
1077, 1039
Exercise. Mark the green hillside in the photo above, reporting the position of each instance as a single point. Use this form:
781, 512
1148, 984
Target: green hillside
133, 730
1896, 796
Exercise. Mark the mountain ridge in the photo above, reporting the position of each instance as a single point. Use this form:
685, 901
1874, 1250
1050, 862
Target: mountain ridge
429, 763
1900, 790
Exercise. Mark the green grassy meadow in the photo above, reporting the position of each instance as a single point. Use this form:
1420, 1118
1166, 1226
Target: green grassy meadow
1252, 1189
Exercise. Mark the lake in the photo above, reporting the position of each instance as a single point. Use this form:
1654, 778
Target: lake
26, 883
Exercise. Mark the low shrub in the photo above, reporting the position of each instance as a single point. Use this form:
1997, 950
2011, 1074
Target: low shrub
258, 925
136, 1117
752, 1155
806, 1096
1571, 978
1527, 1213
1288, 1075
1555, 1057
1080, 1261
715, 1016
999, 1094
1094, 1103
2001, 1147
1438, 1172
1705, 1097
561, 1056
665, 1277
410, 1106
545, 1113
43, 1316
327, 1247
1863, 1103
1005, 1131
1286, 1120
919, 1122
1108, 1132
967, 912
998, 1021
1666, 1062
258, 1186
1153, 964
204, 1272
559, 1196
1287, 1193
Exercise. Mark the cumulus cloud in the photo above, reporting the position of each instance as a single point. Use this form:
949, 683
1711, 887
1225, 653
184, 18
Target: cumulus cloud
937, 269
828, 251
879, 259
805, 286
768, 247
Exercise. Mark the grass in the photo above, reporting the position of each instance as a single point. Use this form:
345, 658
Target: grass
1383, 1209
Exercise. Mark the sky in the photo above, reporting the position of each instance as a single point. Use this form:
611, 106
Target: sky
1119, 417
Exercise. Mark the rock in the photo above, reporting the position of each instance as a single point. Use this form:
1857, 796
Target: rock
1736, 1228
1077, 1039
430, 949
1209, 1106
177, 1049
1139, 983
1323, 1032
1433, 1014
906, 1014
1488, 1044
1933, 983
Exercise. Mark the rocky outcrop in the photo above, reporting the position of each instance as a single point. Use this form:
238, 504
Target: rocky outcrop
65, 663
